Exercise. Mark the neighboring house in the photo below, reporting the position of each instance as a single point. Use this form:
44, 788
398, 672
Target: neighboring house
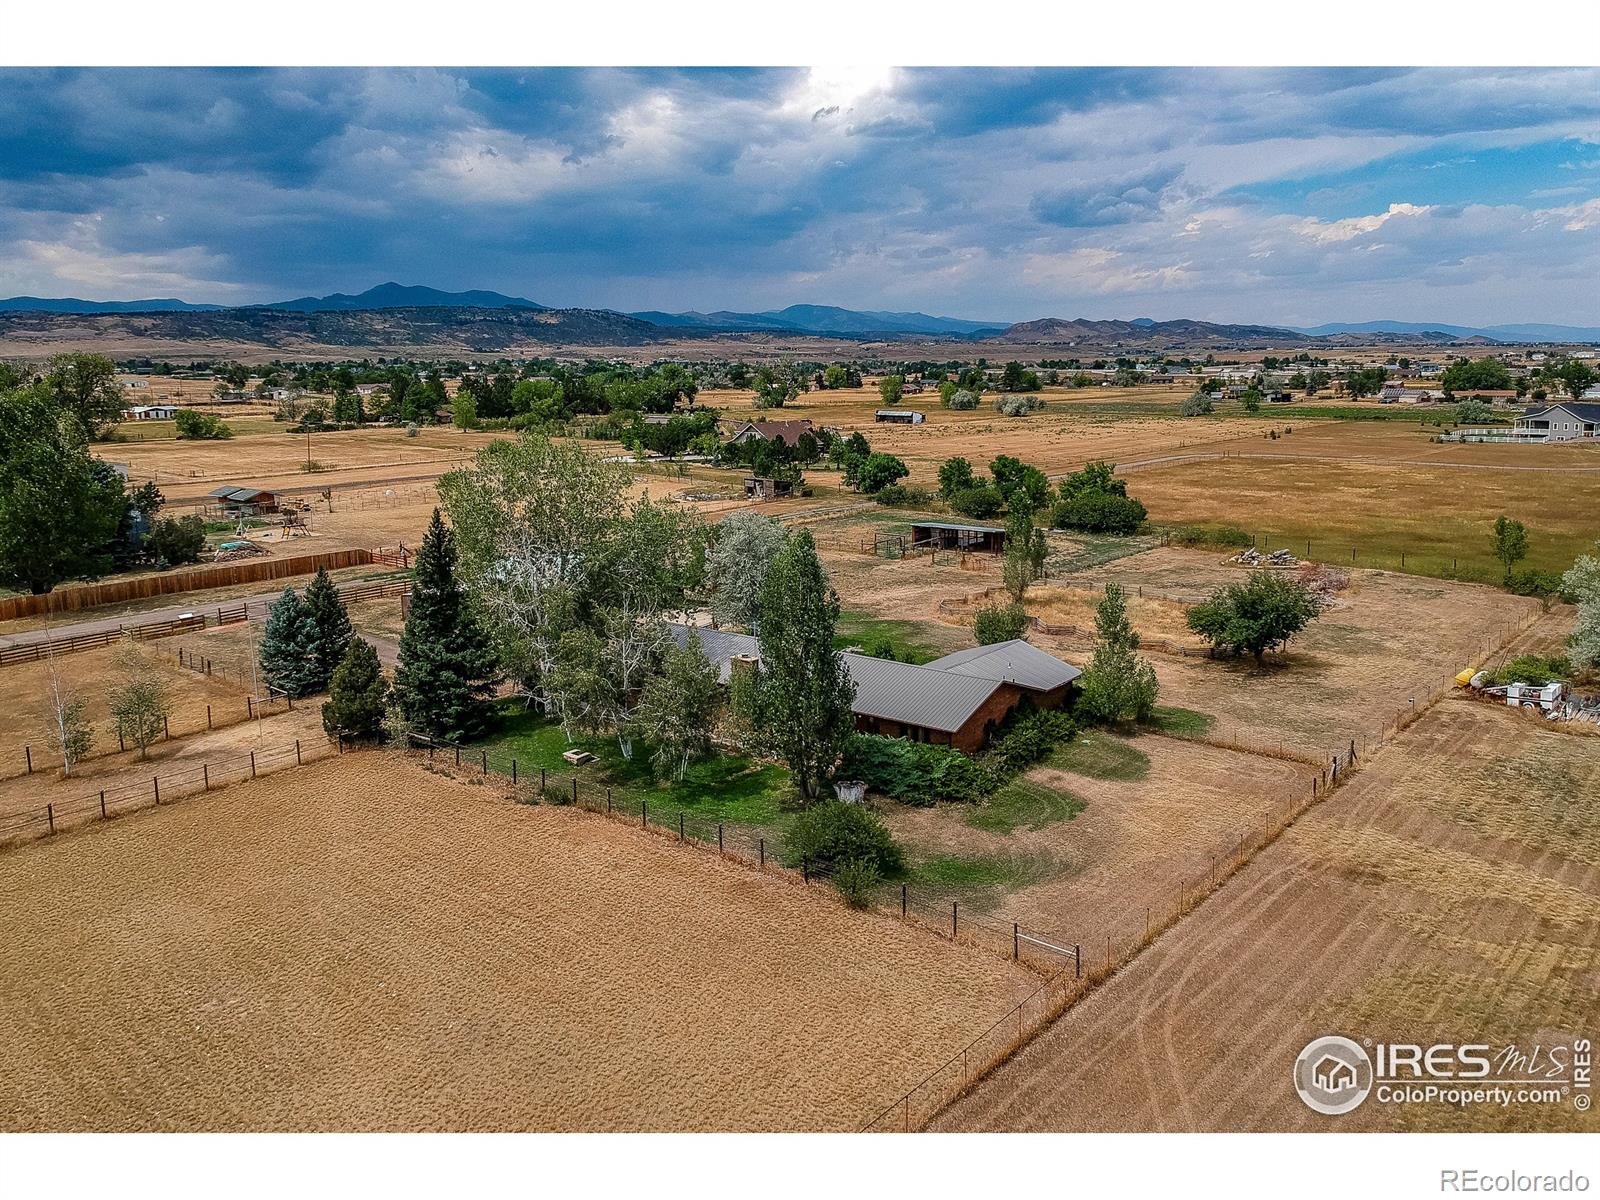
787, 432
959, 700
151, 412
1396, 393
898, 416
136, 384
1565, 422
371, 389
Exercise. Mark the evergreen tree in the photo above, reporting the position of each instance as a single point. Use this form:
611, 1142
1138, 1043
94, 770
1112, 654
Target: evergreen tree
326, 611
447, 670
805, 691
357, 696
289, 647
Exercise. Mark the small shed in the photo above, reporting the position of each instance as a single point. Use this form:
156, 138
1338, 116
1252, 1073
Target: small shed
946, 535
152, 412
764, 487
898, 416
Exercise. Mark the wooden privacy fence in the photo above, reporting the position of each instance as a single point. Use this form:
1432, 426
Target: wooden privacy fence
49, 819
223, 614
121, 591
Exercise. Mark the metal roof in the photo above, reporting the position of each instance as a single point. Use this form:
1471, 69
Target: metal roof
1584, 411
1016, 661
932, 699
721, 647
241, 494
961, 528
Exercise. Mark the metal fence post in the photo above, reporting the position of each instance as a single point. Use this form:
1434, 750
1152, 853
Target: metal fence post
952, 920
761, 849
102, 804
297, 752
249, 708
902, 900
719, 837
252, 764
513, 771
28, 751
50, 813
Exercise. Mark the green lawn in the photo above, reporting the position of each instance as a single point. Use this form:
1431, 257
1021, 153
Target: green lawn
907, 641
980, 881
725, 787
1181, 722
1098, 755
1023, 804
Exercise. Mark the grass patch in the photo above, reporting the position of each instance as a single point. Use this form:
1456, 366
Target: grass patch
724, 787
1095, 549
980, 881
1181, 722
1023, 804
906, 641
1100, 756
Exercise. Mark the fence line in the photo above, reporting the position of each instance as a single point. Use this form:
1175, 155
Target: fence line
52, 818
223, 614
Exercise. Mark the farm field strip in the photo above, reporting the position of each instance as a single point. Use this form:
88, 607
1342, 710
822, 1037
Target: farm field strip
769, 1006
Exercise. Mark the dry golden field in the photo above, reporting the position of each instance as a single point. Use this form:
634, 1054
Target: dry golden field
27, 709
1449, 892
359, 945
1389, 639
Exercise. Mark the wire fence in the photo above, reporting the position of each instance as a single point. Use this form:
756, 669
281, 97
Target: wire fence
52, 818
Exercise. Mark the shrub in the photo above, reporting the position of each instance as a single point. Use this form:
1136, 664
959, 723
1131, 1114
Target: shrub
176, 540
914, 772
1534, 668
879, 471
978, 502
832, 833
962, 400
999, 623
1212, 535
857, 879
412, 429
1017, 406
199, 426
1029, 739
1543, 584
1099, 512
1197, 405
900, 495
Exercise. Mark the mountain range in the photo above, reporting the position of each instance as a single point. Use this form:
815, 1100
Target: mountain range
829, 321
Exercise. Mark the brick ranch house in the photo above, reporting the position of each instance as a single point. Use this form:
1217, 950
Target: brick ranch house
958, 700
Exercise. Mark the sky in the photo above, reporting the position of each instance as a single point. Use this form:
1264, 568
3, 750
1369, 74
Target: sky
1279, 196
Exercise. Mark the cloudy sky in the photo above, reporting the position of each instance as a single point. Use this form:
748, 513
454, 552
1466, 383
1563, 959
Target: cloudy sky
1281, 196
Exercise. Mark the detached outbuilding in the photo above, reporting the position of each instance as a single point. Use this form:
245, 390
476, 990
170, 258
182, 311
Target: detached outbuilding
243, 501
949, 535
899, 416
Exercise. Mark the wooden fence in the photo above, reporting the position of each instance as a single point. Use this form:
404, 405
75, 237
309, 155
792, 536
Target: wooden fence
122, 591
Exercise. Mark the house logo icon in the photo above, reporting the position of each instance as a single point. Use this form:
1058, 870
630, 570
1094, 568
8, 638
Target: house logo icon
1333, 1075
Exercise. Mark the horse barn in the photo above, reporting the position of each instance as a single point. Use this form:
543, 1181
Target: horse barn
958, 700
945, 535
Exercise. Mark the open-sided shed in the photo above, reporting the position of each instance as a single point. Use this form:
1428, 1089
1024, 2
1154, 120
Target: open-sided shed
947, 535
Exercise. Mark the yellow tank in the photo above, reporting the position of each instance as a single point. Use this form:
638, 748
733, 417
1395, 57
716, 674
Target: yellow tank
1465, 677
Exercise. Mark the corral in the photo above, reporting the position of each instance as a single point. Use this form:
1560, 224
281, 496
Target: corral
359, 945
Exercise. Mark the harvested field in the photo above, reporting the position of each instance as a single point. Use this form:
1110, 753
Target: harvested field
359, 945
1449, 892
1389, 638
